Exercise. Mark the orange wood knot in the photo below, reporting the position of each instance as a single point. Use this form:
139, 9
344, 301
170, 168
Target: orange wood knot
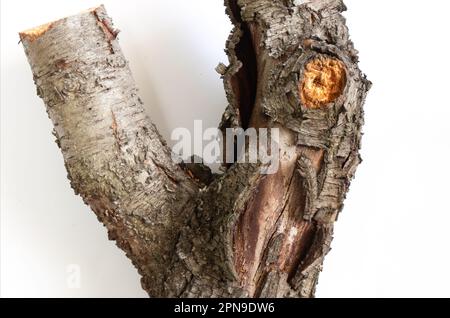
324, 80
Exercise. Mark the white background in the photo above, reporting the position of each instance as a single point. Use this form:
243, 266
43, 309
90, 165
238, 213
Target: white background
393, 237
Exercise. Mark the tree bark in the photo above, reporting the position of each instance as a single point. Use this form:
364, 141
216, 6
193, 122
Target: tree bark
291, 66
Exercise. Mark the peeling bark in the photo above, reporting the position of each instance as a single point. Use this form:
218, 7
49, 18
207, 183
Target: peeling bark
190, 233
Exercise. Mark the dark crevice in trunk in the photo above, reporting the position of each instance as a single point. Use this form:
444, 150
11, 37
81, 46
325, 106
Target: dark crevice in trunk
244, 82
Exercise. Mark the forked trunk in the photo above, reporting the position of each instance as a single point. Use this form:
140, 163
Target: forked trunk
243, 233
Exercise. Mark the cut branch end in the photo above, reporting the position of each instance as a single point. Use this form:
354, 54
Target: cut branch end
324, 80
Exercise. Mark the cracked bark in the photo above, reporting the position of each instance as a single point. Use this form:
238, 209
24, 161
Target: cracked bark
188, 232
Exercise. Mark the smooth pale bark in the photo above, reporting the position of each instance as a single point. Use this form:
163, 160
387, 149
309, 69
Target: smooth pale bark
191, 233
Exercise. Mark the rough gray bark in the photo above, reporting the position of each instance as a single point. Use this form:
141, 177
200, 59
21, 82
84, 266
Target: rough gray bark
291, 66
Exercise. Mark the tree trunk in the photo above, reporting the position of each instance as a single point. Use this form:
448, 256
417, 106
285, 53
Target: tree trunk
242, 233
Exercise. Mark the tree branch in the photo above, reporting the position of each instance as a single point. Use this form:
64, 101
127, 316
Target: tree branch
292, 67
115, 157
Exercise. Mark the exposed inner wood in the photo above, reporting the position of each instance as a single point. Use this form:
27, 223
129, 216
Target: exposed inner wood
299, 232
259, 222
34, 33
324, 80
